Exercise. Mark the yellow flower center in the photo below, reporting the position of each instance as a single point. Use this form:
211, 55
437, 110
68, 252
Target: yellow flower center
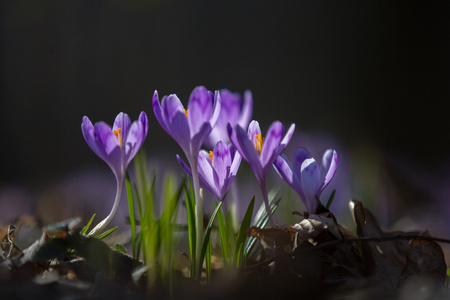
211, 156
259, 143
117, 134
186, 112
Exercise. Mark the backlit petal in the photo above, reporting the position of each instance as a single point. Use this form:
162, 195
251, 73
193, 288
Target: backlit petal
123, 122
158, 112
329, 166
247, 110
300, 156
310, 181
271, 143
249, 153
200, 107
221, 161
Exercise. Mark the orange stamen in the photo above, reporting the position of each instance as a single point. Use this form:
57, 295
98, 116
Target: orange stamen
117, 134
258, 143
211, 156
186, 112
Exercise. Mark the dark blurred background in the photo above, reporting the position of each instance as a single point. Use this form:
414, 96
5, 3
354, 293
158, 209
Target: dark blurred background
370, 74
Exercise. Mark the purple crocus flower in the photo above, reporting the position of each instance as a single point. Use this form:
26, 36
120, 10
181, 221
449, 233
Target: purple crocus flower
233, 111
217, 169
261, 152
116, 146
188, 127
305, 177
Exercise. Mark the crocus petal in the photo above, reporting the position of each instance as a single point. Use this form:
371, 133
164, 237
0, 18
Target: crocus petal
88, 133
237, 158
107, 138
310, 181
230, 112
284, 170
271, 142
171, 106
123, 122
179, 130
221, 162
300, 156
231, 107
135, 139
200, 108
329, 166
197, 140
216, 109
249, 152
158, 112
189, 172
208, 176
287, 138
234, 141
144, 120
253, 130
247, 109
184, 166
111, 152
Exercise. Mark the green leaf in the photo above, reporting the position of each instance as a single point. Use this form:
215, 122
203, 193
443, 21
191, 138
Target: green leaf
223, 236
330, 201
106, 233
261, 222
119, 248
191, 222
172, 203
242, 235
86, 228
132, 214
207, 234
208, 261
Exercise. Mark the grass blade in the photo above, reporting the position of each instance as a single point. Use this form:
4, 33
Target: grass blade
208, 233
190, 210
330, 201
242, 235
223, 233
132, 214
86, 228
261, 223
106, 233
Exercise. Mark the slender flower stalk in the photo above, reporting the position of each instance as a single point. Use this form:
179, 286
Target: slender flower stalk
190, 127
116, 146
260, 152
305, 177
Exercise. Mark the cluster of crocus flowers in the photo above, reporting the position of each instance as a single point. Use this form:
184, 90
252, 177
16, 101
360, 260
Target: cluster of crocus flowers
260, 152
305, 176
116, 146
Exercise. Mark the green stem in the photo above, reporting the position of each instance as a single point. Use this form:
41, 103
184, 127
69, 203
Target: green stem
198, 218
267, 205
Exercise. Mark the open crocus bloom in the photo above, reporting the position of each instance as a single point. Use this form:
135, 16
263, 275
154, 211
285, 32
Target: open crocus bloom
216, 169
305, 177
233, 111
260, 152
257, 151
188, 127
116, 146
